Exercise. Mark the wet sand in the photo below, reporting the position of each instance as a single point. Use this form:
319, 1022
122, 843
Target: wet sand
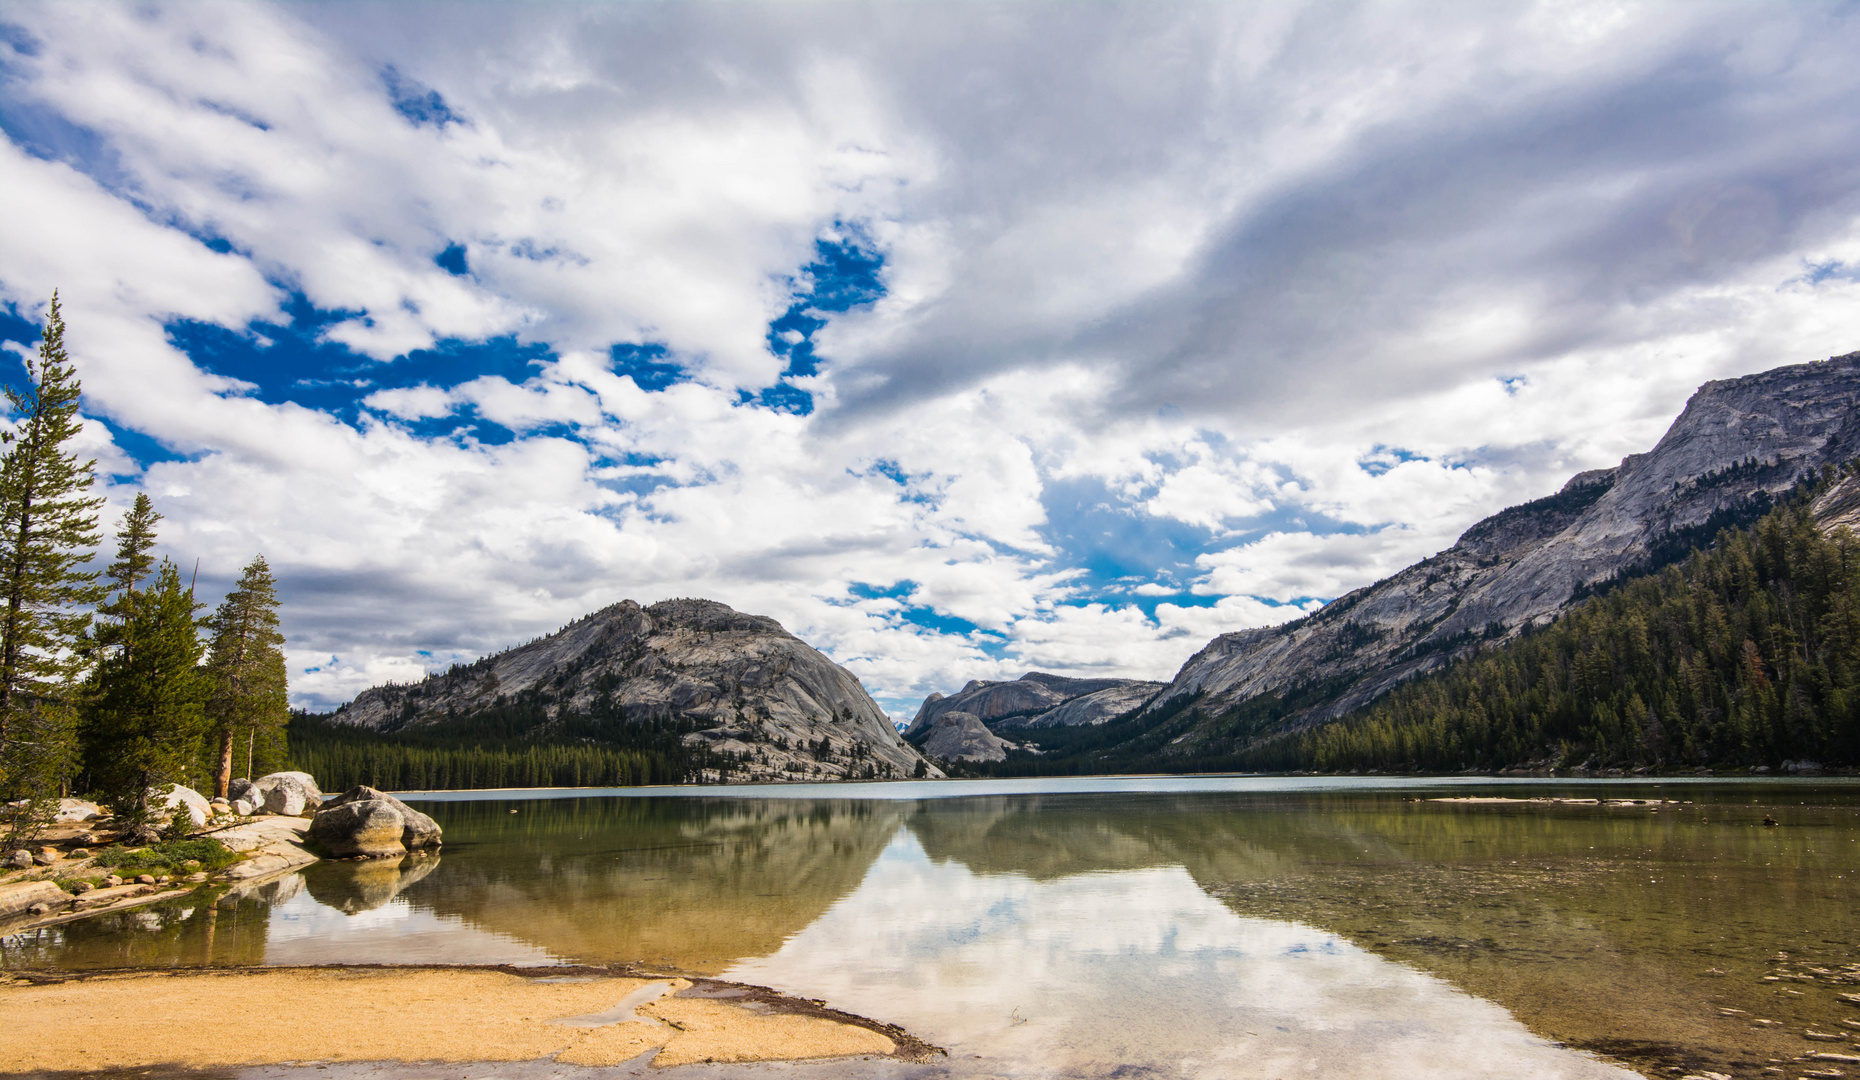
573, 1016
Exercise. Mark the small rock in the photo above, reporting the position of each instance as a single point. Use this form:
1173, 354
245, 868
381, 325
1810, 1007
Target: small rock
1825, 1036
242, 808
18, 859
191, 865
39, 908
112, 881
45, 858
145, 879
83, 887
219, 800
143, 835
80, 853
196, 877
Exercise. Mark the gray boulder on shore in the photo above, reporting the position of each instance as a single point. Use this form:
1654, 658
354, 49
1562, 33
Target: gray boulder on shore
292, 794
370, 823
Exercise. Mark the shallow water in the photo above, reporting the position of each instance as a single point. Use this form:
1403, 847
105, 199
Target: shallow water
1204, 927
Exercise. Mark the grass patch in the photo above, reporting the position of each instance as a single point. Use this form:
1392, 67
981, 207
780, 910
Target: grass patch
171, 856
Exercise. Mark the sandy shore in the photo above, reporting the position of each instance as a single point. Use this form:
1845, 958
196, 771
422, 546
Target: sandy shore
579, 1016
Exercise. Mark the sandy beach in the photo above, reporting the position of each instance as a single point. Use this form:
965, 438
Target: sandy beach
578, 1016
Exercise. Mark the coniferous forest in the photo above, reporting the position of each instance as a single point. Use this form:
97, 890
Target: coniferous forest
107, 685
1747, 654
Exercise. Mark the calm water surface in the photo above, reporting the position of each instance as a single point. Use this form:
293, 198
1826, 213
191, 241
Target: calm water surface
1237, 927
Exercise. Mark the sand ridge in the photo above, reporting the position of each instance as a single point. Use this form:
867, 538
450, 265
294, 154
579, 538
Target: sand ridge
205, 1018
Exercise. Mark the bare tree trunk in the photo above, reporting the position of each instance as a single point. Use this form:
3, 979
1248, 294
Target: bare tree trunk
223, 778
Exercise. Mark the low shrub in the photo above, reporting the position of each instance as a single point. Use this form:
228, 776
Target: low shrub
208, 852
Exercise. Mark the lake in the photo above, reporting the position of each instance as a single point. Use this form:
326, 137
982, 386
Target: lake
1191, 927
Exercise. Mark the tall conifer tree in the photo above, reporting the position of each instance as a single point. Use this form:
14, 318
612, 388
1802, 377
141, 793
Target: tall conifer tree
246, 665
148, 701
135, 539
48, 524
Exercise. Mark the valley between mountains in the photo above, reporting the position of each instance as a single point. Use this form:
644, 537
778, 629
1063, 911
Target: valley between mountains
691, 690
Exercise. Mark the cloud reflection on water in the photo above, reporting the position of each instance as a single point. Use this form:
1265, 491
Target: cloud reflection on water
1135, 972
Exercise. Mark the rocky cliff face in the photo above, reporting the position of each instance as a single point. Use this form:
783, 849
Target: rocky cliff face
738, 685
1035, 700
1737, 443
961, 736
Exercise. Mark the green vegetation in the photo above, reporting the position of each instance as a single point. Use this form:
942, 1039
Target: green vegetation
207, 854
246, 665
102, 688
512, 744
145, 705
1748, 654
48, 524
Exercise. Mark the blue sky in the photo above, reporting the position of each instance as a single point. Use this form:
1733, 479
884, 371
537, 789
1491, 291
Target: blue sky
964, 340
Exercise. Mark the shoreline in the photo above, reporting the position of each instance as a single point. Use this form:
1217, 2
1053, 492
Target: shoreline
270, 847
589, 1016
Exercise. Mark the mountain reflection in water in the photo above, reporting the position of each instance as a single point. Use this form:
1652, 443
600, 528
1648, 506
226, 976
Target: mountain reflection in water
1250, 930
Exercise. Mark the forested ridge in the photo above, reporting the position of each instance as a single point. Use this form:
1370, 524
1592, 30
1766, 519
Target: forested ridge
519, 741
1747, 654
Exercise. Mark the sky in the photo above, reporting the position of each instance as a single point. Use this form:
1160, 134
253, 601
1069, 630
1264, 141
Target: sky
965, 339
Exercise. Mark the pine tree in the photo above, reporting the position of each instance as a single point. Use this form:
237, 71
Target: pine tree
48, 524
135, 538
147, 706
246, 666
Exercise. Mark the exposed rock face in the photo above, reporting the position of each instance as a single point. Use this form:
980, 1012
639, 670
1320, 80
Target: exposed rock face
21, 897
1737, 442
1036, 699
758, 697
960, 736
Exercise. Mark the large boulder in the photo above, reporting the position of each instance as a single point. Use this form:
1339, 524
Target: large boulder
366, 827
186, 800
418, 831
292, 794
75, 810
242, 789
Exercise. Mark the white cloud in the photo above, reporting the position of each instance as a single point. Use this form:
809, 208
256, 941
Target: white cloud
1257, 302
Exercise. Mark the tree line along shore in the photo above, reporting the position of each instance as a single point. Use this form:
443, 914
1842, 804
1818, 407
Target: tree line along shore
112, 683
